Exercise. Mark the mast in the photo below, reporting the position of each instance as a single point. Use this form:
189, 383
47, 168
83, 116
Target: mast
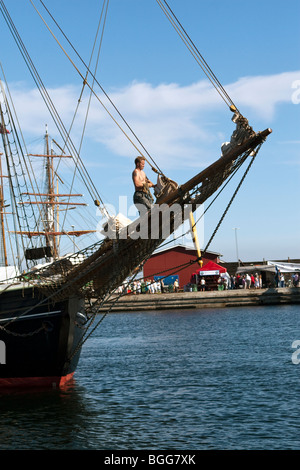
3, 259
51, 203
50, 207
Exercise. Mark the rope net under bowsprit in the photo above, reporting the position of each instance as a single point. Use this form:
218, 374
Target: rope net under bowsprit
100, 268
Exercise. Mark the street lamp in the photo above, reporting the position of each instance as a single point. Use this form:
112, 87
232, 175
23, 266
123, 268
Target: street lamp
236, 245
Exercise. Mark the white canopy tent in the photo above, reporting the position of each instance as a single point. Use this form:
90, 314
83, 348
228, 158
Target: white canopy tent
285, 267
270, 267
250, 268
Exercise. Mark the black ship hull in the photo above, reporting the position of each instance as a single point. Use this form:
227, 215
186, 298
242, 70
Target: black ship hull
39, 339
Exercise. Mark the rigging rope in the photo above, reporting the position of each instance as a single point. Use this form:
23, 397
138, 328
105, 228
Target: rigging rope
195, 52
234, 194
31, 174
104, 301
51, 108
204, 212
90, 97
15, 163
100, 86
27, 174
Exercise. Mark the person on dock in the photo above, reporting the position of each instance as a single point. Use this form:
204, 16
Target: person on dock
247, 281
295, 280
142, 195
202, 284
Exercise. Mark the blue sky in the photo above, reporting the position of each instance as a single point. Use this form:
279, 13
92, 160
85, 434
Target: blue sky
253, 48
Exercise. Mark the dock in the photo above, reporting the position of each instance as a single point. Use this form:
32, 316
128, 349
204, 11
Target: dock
198, 300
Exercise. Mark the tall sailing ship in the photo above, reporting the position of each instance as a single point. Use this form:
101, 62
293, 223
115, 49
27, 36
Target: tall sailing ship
48, 299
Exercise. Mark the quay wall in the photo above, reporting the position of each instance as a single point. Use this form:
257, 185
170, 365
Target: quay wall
198, 300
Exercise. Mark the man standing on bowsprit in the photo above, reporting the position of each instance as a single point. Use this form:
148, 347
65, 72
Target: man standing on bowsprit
142, 184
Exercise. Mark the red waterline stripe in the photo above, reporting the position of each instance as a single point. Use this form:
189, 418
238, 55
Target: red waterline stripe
20, 382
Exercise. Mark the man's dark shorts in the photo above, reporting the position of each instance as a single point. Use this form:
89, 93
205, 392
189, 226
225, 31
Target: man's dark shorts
140, 197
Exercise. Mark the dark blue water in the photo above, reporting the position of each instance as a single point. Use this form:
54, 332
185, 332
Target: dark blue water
206, 379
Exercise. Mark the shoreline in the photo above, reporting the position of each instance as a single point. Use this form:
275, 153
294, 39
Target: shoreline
198, 300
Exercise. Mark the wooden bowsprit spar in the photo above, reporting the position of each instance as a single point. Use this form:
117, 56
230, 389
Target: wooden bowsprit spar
227, 160
102, 267
216, 170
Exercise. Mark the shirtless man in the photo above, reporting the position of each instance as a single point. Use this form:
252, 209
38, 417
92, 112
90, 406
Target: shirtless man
142, 184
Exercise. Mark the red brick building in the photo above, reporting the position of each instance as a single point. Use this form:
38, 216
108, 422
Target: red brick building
175, 260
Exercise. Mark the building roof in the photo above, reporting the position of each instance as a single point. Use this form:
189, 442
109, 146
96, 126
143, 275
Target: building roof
173, 246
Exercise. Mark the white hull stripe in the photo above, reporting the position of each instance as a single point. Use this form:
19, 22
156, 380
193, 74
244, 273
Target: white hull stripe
35, 316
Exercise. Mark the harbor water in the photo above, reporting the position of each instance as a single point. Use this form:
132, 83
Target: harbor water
215, 379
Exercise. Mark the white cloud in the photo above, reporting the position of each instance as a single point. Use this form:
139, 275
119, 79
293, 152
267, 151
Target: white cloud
172, 121
264, 93
31, 110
